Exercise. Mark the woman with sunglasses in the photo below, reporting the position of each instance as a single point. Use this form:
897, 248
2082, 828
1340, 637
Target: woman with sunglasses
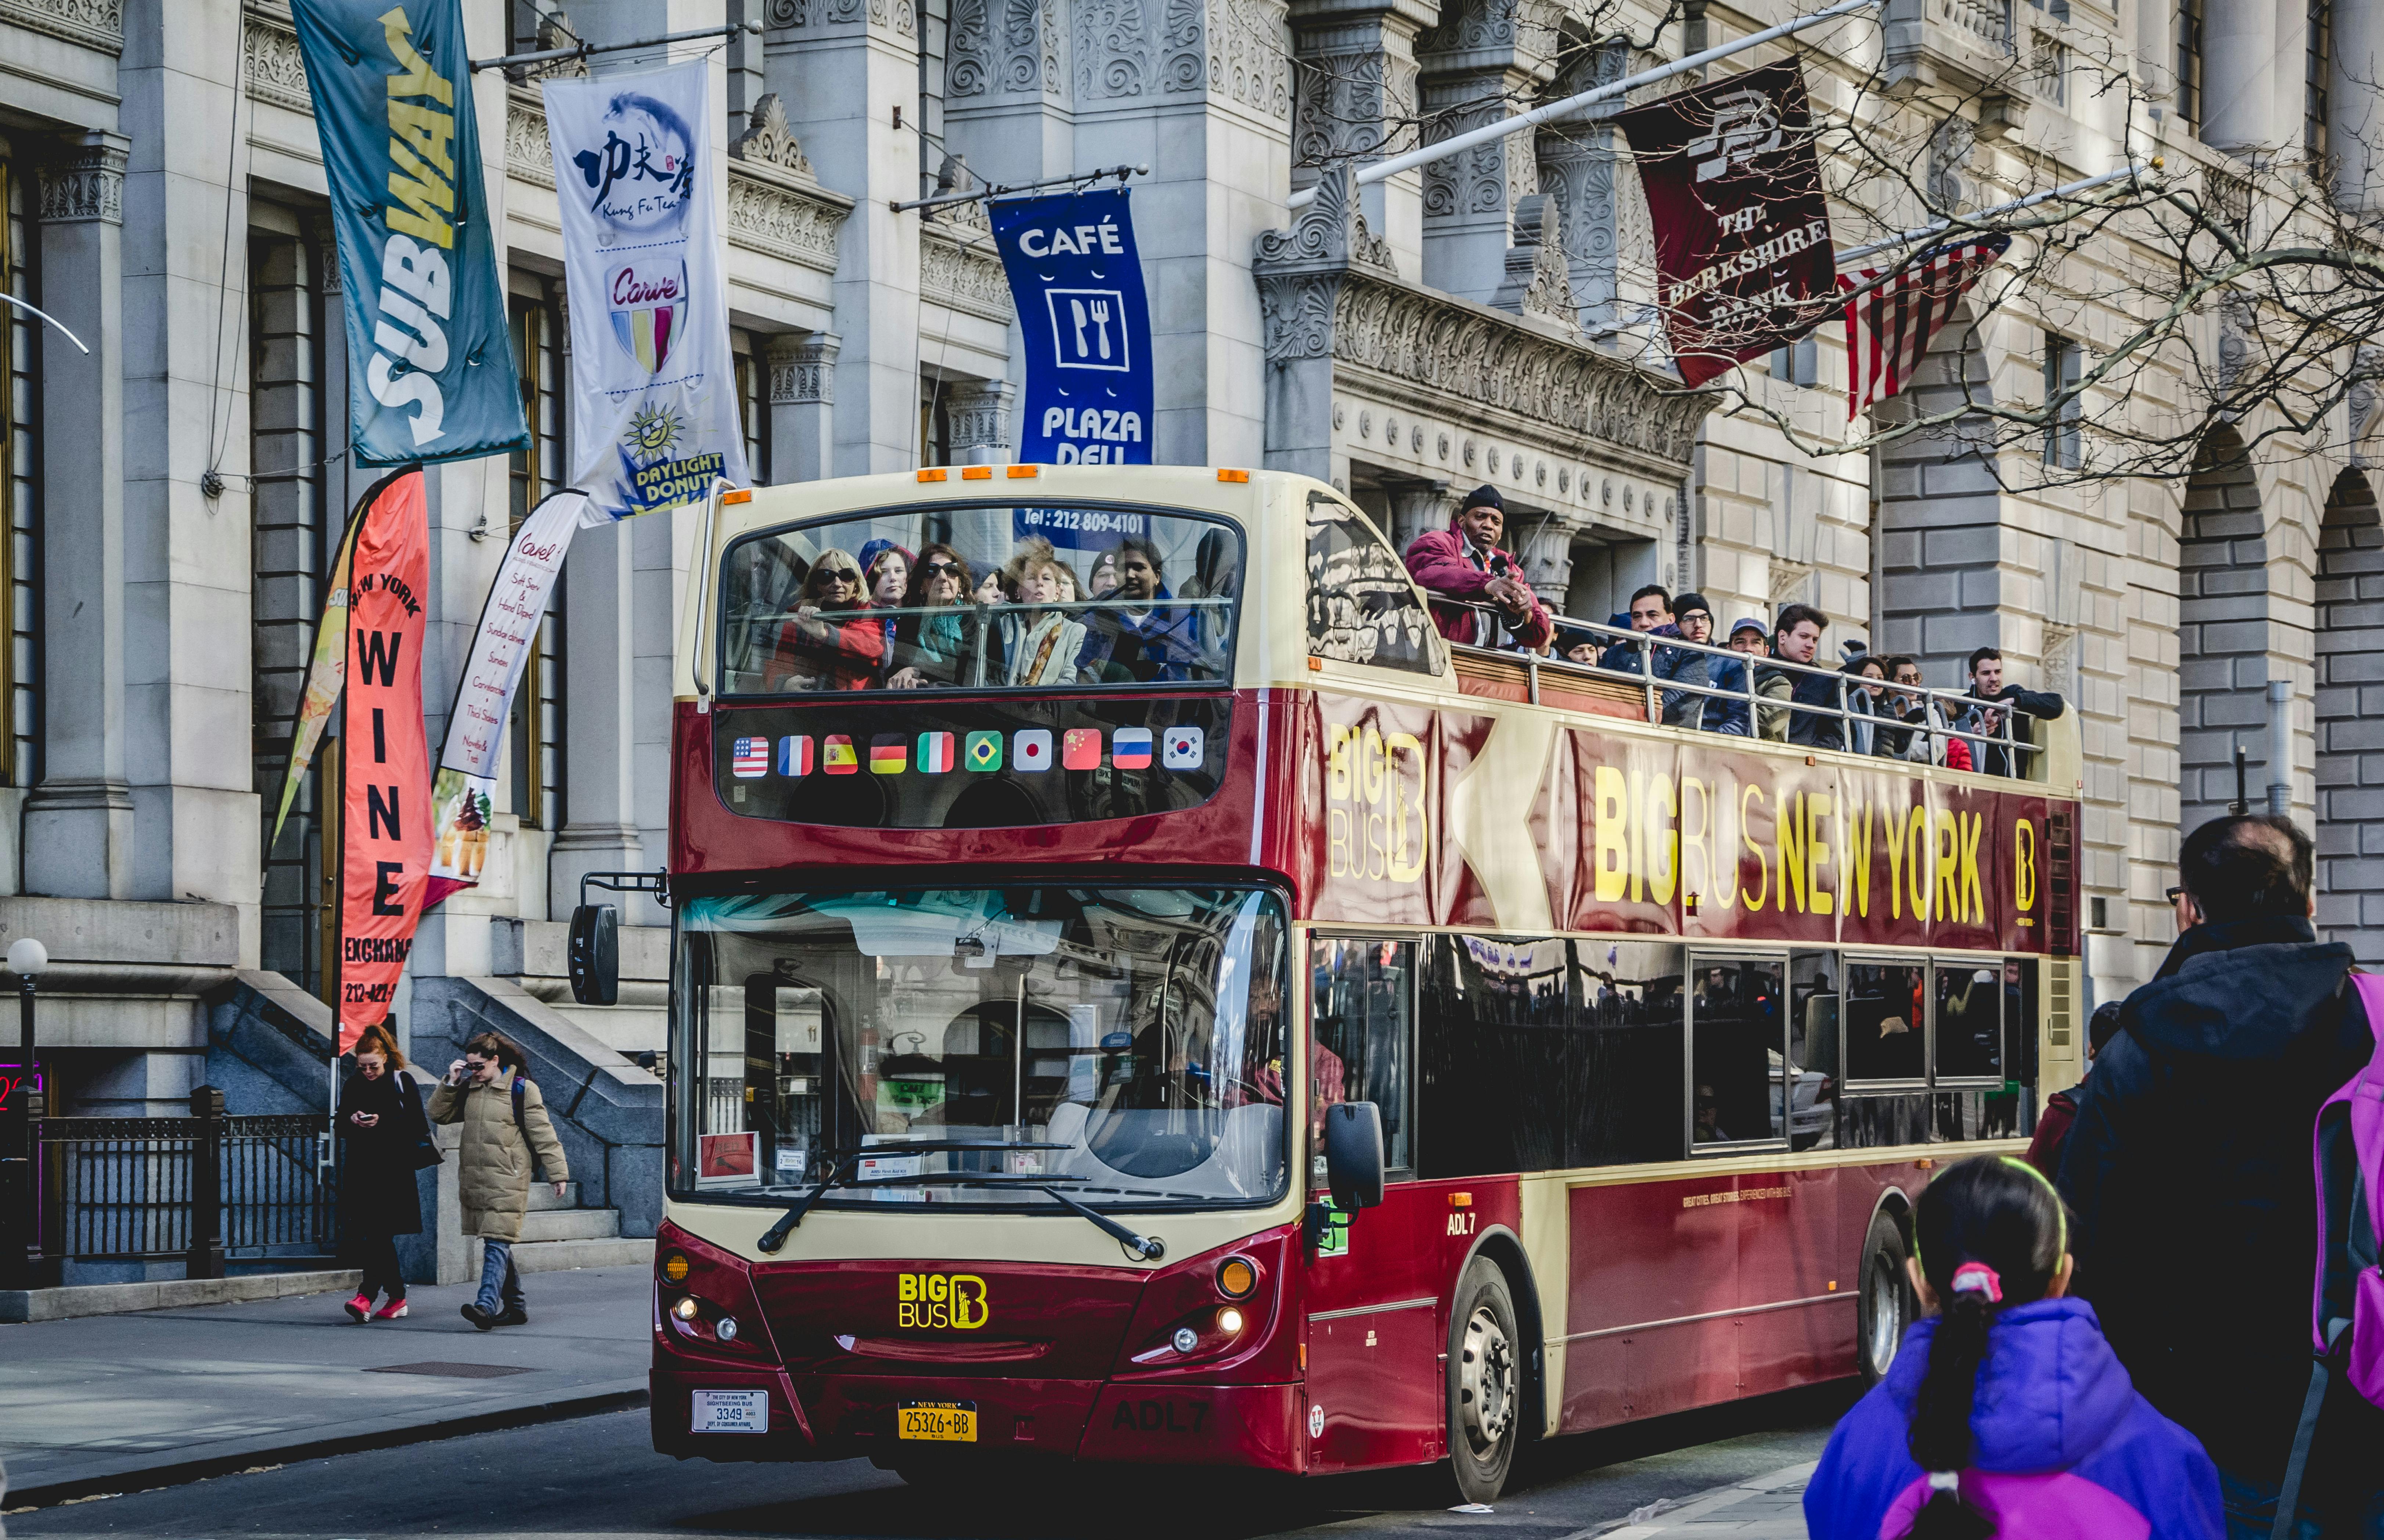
831, 642
929, 649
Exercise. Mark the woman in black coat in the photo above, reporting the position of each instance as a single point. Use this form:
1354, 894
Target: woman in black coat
383, 1128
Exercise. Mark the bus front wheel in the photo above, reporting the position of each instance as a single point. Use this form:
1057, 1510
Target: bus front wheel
1885, 1306
1485, 1382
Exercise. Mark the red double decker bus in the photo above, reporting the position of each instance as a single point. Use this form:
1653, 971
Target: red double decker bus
1141, 996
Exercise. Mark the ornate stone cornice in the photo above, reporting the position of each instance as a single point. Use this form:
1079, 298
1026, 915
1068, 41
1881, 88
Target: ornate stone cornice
94, 23
802, 369
769, 139
961, 269
898, 16
773, 212
270, 65
978, 411
85, 183
530, 154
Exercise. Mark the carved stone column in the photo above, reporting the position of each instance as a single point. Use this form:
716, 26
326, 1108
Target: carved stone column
1601, 216
2240, 67
803, 402
1300, 272
79, 820
1356, 102
979, 412
1417, 508
2355, 107
1484, 61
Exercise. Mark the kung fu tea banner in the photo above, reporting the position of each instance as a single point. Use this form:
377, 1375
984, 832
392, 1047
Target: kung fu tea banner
430, 370
1077, 284
653, 382
1743, 253
385, 790
1521, 823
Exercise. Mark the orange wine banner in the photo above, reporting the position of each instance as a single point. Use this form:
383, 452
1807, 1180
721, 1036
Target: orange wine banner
385, 811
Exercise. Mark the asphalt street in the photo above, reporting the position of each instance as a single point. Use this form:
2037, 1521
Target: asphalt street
598, 1476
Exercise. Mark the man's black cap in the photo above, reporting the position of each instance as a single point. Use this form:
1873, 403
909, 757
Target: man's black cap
1683, 603
1483, 496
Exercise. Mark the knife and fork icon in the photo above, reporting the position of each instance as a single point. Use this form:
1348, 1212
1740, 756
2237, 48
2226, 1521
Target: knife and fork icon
1100, 321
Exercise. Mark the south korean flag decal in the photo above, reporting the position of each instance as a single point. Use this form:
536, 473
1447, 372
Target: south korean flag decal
1183, 748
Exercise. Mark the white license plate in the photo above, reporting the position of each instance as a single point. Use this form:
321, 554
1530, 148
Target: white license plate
732, 1411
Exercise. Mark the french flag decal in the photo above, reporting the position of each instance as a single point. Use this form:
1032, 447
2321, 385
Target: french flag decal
1130, 749
750, 758
795, 755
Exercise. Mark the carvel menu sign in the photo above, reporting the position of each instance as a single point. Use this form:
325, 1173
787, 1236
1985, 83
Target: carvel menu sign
1416, 816
905, 760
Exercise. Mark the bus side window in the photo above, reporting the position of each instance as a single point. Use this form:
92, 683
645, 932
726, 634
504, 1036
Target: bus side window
1361, 1010
1363, 607
1495, 1090
1886, 1023
1738, 1043
1625, 1055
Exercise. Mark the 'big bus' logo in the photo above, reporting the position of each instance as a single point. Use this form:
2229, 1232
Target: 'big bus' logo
947, 1299
1377, 797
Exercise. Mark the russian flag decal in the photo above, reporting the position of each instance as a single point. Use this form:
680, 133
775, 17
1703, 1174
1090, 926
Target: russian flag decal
1130, 748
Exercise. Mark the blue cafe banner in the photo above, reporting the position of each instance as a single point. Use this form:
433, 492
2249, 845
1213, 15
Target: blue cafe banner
1077, 286
653, 381
430, 368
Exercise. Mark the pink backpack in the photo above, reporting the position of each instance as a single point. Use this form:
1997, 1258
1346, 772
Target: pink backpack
2347, 1303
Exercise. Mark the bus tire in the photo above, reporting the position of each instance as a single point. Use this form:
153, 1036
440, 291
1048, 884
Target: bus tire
1485, 1383
1886, 1305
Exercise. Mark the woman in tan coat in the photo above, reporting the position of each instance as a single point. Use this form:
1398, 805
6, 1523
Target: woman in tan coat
504, 1124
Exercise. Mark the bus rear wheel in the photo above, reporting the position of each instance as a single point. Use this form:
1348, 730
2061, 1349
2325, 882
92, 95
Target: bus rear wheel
1485, 1382
1885, 1306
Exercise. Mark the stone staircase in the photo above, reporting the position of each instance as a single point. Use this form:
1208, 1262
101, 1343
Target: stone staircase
558, 1234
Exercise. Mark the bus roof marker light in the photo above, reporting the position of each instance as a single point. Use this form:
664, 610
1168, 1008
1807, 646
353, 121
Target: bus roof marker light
976, 472
934, 473
1236, 476
1023, 473
742, 494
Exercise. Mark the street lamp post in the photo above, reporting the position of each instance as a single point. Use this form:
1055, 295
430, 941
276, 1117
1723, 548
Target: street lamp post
19, 1224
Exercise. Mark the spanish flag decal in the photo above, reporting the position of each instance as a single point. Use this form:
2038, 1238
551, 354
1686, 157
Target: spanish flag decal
837, 756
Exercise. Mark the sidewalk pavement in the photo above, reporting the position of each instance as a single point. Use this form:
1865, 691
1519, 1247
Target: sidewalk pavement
120, 1402
1762, 1507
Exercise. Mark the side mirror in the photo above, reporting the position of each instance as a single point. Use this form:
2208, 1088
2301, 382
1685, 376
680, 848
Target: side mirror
1353, 1154
595, 954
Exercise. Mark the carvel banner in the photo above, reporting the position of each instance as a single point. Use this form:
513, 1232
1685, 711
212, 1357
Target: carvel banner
1077, 287
1417, 820
430, 372
492, 670
1742, 252
385, 800
653, 383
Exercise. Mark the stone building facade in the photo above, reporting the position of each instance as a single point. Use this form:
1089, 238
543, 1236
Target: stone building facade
173, 496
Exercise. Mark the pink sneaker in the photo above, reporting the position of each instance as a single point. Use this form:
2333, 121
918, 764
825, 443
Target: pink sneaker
360, 1309
394, 1310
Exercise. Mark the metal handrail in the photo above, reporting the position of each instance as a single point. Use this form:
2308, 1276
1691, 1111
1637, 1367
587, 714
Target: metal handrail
1952, 704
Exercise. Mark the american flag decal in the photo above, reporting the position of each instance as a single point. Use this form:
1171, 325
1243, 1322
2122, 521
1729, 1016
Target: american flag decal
1889, 330
750, 758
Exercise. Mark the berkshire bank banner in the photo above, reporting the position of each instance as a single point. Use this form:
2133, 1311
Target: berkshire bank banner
1077, 284
431, 369
653, 382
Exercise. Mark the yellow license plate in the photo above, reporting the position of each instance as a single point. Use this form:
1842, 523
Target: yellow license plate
936, 1422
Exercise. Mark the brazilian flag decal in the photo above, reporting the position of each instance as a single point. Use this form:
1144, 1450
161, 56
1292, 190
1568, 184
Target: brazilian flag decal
984, 751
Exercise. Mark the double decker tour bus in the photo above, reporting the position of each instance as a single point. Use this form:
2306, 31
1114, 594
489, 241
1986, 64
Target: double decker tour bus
1141, 996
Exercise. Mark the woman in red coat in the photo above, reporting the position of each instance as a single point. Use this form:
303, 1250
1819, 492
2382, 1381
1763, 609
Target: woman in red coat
832, 641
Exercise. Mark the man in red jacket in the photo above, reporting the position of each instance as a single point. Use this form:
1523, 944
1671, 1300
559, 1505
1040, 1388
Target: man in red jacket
1463, 563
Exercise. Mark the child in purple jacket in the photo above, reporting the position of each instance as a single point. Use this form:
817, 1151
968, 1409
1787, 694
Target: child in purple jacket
2007, 1413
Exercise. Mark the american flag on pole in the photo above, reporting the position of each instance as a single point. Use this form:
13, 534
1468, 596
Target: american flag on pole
1889, 330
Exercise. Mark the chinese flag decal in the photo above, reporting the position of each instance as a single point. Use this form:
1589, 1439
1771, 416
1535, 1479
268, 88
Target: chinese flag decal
385, 802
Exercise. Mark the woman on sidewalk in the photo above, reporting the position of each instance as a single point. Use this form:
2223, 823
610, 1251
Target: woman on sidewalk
382, 1131
505, 1122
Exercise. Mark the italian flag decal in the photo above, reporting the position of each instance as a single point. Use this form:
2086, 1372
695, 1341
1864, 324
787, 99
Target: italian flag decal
934, 754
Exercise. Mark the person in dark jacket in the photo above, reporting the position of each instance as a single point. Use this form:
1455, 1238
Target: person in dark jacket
1797, 639
381, 1126
2001, 707
2189, 1171
1464, 564
1729, 713
2060, 1112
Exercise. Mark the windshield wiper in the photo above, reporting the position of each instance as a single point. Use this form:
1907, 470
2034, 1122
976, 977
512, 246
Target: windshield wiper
845, 1161
775, 1236
1149, 1248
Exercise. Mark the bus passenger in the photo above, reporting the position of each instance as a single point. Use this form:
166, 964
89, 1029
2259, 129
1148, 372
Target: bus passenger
831, 642
1039, 642
1463, 564
1796, 639
1863, 733
1216, 574
1987, 684
1104, 579
928, 649
885, 572
1152, 643
2006, 1412
1730, 712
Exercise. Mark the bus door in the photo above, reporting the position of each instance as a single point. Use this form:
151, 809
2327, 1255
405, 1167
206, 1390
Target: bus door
1373, 1309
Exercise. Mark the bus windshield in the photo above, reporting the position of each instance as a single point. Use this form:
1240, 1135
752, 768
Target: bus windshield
1124, 1046
992, 597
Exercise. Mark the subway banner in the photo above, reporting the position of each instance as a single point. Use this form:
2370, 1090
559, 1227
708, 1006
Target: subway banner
654, 382
385, 788
430, 370
1417, 822
1077, 284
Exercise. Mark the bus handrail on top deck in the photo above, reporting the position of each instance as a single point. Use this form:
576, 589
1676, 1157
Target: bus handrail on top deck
1952, 705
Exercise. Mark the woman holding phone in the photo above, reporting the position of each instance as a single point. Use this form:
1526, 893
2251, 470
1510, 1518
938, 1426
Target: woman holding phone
382, 1135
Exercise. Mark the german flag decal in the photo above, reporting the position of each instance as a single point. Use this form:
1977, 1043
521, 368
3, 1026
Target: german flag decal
889, 754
